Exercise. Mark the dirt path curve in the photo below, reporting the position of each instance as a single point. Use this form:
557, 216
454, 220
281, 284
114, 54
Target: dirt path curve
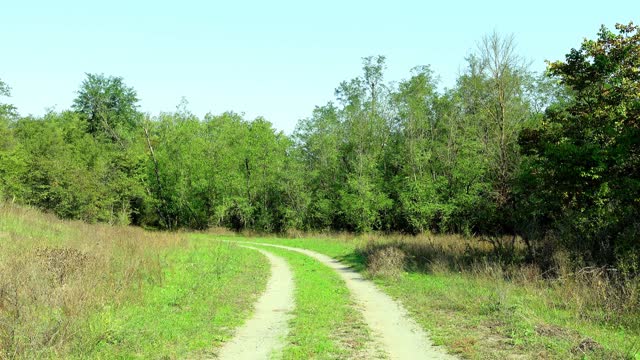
266, 331
398, 334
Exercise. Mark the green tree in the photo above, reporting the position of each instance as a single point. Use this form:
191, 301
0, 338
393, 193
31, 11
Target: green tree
442, 180
319, 139
7, 114
414, 152
495, 100
366, 125
10, 163
504, 109
109, 106
61, 162
223, 171
71, 173
7, 111
583, 162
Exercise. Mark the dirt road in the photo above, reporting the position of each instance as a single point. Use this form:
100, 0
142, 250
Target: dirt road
393, 330
264, 334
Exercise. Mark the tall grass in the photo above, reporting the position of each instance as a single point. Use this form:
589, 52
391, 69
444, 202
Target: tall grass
54, 274
485, 299
600, 295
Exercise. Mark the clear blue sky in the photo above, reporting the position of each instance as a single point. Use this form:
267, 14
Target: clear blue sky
273, 58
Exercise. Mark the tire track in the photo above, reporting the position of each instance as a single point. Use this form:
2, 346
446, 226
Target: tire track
264, 334
397, 333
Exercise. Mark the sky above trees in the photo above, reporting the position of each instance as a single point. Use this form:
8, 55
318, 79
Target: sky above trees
277, 59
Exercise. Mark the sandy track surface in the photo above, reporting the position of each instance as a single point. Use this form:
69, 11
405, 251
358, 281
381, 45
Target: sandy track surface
264, 334
397, 333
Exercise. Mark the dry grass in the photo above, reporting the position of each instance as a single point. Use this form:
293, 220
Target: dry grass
341, 236
484, 299
219, 231
387, 262
595, 294
598, 293
54, 274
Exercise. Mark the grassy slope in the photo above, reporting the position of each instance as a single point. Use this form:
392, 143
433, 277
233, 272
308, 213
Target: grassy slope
485, 318
73, 290
208, 290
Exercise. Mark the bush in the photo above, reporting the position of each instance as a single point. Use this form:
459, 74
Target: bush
388, 261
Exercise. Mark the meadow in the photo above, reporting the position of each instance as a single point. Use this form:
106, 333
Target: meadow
71, 290
480, 305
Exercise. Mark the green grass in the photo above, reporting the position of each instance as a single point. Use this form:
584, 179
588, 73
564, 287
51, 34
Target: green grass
74, 290
480, 317
485, 319
207, 291
325, 323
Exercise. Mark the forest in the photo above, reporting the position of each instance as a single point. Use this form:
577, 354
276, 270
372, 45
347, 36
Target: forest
550, 160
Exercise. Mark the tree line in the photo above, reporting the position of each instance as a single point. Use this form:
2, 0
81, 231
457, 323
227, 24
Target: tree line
505, 153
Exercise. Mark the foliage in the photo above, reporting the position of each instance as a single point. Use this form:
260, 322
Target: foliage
550, 159
64, 169
582, 174
9, 164
108, 105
